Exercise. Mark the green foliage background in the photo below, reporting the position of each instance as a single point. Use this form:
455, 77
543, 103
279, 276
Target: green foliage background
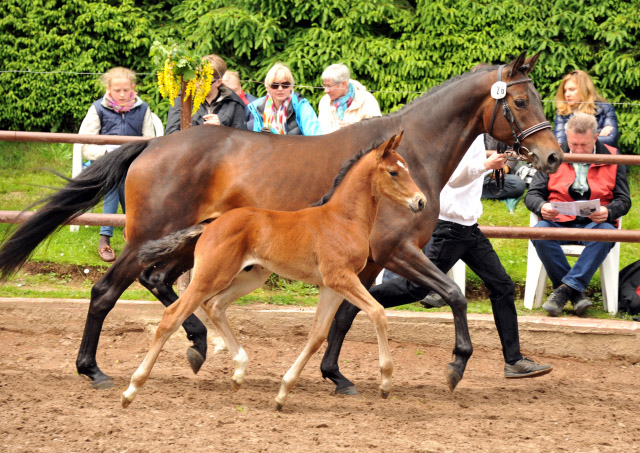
397, 48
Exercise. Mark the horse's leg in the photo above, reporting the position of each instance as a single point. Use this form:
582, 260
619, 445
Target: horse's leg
339, 327
351, 288
418, 269
104, 296
244, 283
328, 302
173, 316
159, 280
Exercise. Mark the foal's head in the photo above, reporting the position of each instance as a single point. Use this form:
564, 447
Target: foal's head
393, 179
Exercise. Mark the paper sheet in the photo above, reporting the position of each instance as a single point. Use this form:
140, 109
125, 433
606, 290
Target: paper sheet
582, 208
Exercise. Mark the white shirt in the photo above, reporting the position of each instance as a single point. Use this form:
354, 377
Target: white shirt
460, 198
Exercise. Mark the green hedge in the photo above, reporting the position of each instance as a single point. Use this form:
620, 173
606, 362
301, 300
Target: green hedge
397, 47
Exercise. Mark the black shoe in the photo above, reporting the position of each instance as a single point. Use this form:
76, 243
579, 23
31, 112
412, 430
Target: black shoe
580, 302
557, 300
525, 368
433, 300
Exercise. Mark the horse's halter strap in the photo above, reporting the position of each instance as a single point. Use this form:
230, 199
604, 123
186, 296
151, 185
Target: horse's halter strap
508, 114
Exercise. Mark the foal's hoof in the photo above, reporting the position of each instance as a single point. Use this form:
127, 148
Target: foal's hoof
235, 385
453, 377
351, 391
124, 401
279, 406
384, 394
103, 384
195, 359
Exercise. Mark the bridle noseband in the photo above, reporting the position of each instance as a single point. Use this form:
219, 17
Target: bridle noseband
518, 137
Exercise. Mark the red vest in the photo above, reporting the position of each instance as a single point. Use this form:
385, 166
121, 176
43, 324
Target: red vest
601, 179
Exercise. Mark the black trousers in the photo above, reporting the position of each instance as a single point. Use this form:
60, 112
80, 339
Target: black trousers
449, 243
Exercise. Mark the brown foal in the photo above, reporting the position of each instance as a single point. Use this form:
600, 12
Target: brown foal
325, 245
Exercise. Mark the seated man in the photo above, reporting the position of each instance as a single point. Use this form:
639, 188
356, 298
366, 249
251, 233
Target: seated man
345, 102
572, 182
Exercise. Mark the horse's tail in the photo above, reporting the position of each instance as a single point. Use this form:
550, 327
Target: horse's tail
78, 196
157, 250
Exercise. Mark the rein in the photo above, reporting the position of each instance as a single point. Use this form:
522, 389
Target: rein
500, 89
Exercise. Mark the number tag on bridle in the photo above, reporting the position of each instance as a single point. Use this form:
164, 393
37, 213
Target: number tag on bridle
498, 90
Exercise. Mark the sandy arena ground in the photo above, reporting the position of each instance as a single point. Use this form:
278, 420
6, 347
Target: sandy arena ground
585, 405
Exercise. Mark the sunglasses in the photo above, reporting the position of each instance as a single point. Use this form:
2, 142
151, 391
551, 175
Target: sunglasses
283, 85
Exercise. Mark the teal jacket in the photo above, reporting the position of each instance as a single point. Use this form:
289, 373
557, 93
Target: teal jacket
301, 119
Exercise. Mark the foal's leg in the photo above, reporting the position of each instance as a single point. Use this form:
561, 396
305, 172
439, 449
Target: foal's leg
173, 316
351, 288
159, 279
328, 303
243, 284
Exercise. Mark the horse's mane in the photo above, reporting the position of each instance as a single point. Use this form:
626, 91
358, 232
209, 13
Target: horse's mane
346, 166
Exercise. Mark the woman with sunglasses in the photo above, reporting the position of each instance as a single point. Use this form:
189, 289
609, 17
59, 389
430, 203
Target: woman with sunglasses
577, 93
282, 111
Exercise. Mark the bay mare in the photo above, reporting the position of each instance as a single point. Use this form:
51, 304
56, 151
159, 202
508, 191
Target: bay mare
180, 180
325, 245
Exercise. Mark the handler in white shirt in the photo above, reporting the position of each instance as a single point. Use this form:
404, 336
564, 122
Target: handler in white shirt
457, 236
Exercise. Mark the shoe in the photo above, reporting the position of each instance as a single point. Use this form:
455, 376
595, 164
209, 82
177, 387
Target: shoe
525, 368
107, 254
557, 300
580, 303
433, 300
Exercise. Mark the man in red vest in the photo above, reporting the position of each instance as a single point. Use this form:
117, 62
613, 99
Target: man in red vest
573, 182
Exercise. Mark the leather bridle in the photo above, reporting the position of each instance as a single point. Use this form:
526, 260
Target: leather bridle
518, 137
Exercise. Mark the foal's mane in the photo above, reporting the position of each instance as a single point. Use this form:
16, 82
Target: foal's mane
346, 166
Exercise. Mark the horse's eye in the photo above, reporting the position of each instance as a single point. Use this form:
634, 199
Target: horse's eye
393, 173
520, 103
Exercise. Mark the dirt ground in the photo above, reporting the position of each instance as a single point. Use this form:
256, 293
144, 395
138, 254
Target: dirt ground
583, 406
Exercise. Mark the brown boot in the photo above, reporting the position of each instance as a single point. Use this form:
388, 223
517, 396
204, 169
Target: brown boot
104, 249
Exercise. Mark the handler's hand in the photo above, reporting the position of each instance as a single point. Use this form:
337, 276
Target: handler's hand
600, 216
605, 131
496, 161
547, 212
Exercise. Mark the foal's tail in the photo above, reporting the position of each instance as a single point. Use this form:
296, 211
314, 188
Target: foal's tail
78, 196
157, 250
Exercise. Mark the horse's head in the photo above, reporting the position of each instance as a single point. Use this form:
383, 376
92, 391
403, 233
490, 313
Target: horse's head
514, 115
393, 179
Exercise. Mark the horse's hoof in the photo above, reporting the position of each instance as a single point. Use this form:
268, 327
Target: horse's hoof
279, 407
103, 384
235, 385
195, 359
384, 394
351, 391
453, 377
124, 401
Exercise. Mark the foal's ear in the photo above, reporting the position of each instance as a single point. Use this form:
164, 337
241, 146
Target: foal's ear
390, 145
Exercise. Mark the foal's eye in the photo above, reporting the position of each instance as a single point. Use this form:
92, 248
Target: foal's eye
393, 173
520, 103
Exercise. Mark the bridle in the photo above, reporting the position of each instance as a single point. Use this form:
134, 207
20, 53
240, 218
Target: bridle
518, 137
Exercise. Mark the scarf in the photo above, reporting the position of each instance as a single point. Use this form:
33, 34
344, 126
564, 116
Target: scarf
273, 118
121, 108
344, 102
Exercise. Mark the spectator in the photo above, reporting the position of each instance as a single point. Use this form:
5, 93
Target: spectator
572, 182
232, 80
282, 111
457, 236
577, 93
221, 106
119, 112
345, 102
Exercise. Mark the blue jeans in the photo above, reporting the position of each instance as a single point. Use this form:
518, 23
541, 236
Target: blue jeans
110, 206
555, 261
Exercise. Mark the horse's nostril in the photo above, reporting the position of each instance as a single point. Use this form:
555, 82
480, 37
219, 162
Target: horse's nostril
421, 204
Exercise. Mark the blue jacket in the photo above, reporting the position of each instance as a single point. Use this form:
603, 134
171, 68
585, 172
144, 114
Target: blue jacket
605, 116
304, 122
129, 123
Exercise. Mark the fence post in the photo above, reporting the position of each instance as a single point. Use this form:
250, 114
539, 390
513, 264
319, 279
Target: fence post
186, 105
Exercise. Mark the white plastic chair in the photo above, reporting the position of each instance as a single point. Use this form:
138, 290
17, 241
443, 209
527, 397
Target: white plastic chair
536, 283
77, 161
